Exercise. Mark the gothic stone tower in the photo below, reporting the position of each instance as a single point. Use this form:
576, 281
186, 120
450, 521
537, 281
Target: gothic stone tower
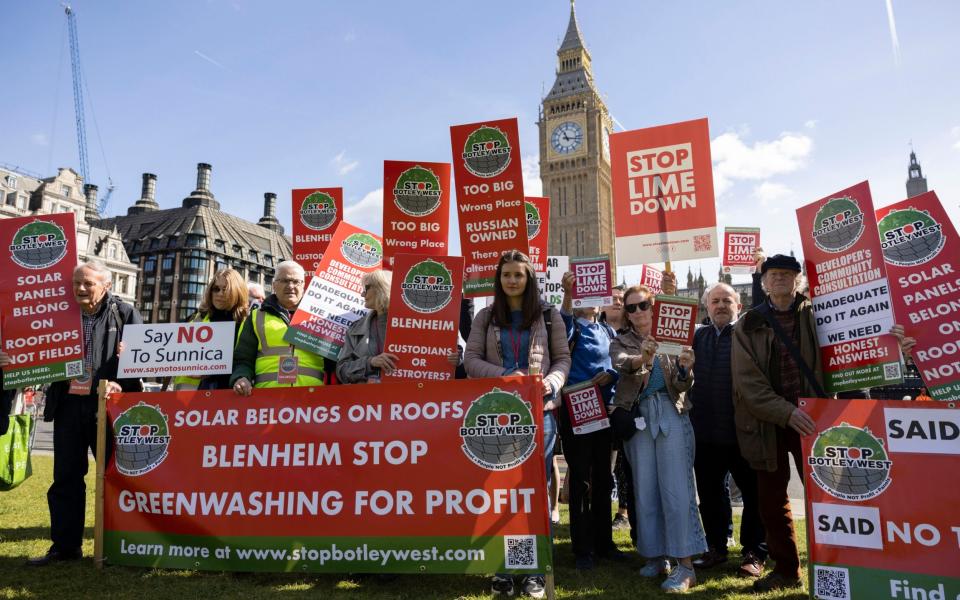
575, 154
916, 182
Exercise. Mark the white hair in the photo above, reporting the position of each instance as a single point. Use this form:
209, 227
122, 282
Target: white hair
800, 286
719, 284
97, 267
254, 288
290, 265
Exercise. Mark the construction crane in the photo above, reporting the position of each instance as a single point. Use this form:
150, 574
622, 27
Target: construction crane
78, 107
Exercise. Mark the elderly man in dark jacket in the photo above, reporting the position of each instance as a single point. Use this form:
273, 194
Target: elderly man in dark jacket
717, 451
72, 406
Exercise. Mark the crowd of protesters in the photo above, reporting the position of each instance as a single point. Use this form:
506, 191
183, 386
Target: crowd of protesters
680, 425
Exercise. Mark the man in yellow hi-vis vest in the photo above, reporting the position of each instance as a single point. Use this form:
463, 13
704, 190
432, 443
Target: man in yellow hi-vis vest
260, 347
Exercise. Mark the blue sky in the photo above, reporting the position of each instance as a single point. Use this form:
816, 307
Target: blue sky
804, 98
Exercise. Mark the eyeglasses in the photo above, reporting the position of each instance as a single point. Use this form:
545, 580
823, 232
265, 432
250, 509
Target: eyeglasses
290, 282
631, 308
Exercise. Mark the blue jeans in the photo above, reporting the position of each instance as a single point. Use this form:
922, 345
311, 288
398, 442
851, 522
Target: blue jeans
549, 442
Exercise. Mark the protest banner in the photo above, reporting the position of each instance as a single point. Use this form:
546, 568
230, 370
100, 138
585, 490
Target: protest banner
922, 256
333, 301
40, 322
663, 203
849, 291
739, 246
585, 408
421, 477
538, 230
416, 209
652, 277
881, 523
316, 214
490, 205
551, 281
674, 323
171, 349
424, 316
593, 281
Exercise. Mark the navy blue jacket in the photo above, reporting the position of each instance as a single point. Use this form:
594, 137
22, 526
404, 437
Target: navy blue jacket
712, 392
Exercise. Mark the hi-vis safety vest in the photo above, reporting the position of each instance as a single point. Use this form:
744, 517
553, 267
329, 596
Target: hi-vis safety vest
270, 347
184, 382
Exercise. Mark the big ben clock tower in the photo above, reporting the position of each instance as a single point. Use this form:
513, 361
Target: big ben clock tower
575, 154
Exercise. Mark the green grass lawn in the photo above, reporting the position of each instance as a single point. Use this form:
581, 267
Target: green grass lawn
24, 531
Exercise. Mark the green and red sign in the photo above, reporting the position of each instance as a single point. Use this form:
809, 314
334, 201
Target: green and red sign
538, 230
923, 262
424, 316
490, 204
419, 478
881, 523
849, 290
416, 208
333, 300
40, 324
316, 214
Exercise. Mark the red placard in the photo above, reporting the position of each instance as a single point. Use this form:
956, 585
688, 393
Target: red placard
739, 246
881, 518
674, 323
40, 322
416, 208
413, 478
490, 206
316, 214
424, 316
593, 281
849, 290
922, 256
334, 298
538, 230
585, 407
663, 201
652, 277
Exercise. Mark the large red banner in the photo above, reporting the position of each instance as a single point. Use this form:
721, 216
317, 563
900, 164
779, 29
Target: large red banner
424, 316
333, 300
663, 201
849, 291
316, 214
40, 323
922, 254
881, 520
538, 230
418, 477
490, 206
416, 208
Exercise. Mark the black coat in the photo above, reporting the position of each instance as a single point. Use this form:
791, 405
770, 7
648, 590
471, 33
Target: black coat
712, 392
108, 324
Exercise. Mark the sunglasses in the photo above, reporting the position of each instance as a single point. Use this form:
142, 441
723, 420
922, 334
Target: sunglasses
631, 308
217, 289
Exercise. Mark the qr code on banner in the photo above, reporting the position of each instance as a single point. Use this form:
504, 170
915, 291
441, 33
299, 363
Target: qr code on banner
701, 243
891, 371
831, 583
521, 551
75, 368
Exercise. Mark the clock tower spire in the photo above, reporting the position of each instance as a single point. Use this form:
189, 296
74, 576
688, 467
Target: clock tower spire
574, 153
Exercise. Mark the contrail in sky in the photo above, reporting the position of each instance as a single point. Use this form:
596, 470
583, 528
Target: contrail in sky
893, 33
216, 64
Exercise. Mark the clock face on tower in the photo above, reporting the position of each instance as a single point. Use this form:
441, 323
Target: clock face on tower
566, 138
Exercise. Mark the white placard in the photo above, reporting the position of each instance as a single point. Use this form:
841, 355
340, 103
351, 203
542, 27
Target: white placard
172, 349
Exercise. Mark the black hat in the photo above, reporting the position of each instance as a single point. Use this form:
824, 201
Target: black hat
780, 261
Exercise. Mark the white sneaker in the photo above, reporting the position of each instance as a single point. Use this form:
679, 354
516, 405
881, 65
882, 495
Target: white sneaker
680, 581
654, 567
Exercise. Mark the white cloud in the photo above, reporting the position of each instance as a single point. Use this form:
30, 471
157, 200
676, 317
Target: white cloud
735, 160
342, 164
367, 212
772, 195
810, 123
532, 186
40, 139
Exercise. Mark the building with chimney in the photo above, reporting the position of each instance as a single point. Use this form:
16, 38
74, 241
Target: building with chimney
575, 154
916, 182
178, 249
23, 194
